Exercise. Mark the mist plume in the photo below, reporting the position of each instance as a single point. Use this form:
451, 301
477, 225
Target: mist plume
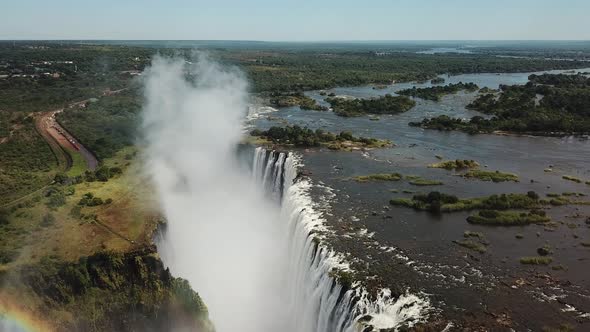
222, 233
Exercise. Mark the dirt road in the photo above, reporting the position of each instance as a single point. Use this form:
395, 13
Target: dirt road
53, 132
61, 142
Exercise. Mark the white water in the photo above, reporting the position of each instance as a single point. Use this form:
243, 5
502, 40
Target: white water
222, 233
317, 302
259, 263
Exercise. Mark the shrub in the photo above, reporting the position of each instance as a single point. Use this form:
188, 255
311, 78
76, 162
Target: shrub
103, 174
7, 256
532, 195
95, 201
89, 200
469, 244
60, 178
536, 260
378, 177
115, 171
89, 176
346, 135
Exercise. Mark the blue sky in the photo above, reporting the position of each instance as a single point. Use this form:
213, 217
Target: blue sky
303, 20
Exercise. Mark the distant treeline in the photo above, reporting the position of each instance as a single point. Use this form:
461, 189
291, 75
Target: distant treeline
436, 92
548, 104
387, 104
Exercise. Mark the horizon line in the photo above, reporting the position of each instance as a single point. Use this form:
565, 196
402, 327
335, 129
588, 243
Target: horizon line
305, 41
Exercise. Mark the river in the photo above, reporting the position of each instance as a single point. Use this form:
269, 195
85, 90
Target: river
427, 239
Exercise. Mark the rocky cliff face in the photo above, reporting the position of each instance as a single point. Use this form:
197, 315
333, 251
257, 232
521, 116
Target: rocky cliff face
109, 292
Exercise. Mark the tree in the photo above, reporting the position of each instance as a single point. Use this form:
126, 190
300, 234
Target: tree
103, 174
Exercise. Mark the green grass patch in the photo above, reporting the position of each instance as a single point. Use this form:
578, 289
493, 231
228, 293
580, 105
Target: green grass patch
78, 164
378, 177
571, 178
494, 176
305, 137
440, 202
425, 182
468, 234
536, 260
407, 202
295, 99
508, 218
559, 201
470, 244
27, 163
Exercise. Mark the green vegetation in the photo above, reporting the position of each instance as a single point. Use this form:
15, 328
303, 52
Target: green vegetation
78, 164
565, 199
387, 104
544, 250
81, 246
508, 218
295, 99
425, 182
495, 176
318, 68
81, 72
536, 260
102, 289
438, 80
378, 177
473, 245
89, 200
107, 125
563, 109
435, 93
444, 122
344, 277
468, 234
304, 137
35, 236
571, 178
440, 202
455, 164
26, 162
414, 180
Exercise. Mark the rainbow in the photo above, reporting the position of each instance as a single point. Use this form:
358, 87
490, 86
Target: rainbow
15, 319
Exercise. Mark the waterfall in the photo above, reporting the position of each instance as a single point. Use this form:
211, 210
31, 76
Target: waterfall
316, 301
269, 174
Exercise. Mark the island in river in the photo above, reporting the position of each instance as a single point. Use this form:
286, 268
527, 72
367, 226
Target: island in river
549, 104
513, 248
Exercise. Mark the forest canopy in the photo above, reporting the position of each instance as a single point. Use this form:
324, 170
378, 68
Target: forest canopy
548, 104
387, 104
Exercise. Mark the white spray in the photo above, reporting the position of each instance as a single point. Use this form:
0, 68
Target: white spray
222, 231
225, 235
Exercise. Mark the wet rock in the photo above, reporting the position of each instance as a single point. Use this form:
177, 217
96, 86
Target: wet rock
544, 251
